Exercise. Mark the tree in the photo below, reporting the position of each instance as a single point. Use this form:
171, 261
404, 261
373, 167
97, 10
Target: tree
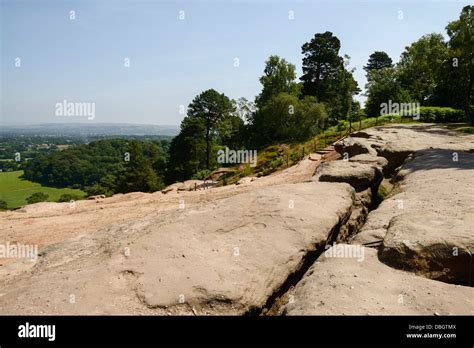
37, 197
419, 67
356, 114
381, 88
244, 109
321, 64
325, 75
309, 119
348, 87
285, 117
461, 44
97, 167
230, 130
278, 77
139, 174
187, 150
378, 60
211, 107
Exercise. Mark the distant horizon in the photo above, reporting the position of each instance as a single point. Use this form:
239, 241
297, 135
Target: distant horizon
87, 123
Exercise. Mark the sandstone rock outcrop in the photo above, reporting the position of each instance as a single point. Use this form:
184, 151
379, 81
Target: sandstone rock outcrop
359, 175
354, 146
339, 285
433, 234
380, 162
226, 257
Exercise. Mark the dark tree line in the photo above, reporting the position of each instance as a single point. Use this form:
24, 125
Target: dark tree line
103, 167
431, 71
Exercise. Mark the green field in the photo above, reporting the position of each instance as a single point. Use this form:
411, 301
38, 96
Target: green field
15, 190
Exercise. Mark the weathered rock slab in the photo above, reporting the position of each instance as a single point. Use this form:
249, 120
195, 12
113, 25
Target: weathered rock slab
359, 175
225, 257
349, 286
427, 227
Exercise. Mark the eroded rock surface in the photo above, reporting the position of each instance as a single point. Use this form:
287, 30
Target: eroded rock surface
350, 286
226, 257
359, 175
433, 232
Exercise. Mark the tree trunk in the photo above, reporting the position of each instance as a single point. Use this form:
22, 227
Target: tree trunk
467, 106
208, 147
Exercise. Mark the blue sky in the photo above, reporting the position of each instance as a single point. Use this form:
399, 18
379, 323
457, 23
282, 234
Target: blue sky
172, 60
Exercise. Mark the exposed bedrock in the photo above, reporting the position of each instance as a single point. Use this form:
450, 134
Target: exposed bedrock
351, 281
361, 176
433, 230
226, 257
355, 146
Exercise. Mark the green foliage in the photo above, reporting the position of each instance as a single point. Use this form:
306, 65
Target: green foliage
382, 193
461, 43
67, 197
465, 129
286, 118
37, 197
100, 167
187, 150
278, 77
213, 120
211, 107
383, 87
139, 174
325, 76
378, 60
321, 64
201, 175
98, 189
441, 114
419, 66
3, 205
230, 131
341, 125
431, 71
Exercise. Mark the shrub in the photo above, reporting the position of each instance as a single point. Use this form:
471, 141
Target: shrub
67, 197
97, 189
441, 114
341, 125
201, 175
276, 163
246, 171
37, 197
3, 205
